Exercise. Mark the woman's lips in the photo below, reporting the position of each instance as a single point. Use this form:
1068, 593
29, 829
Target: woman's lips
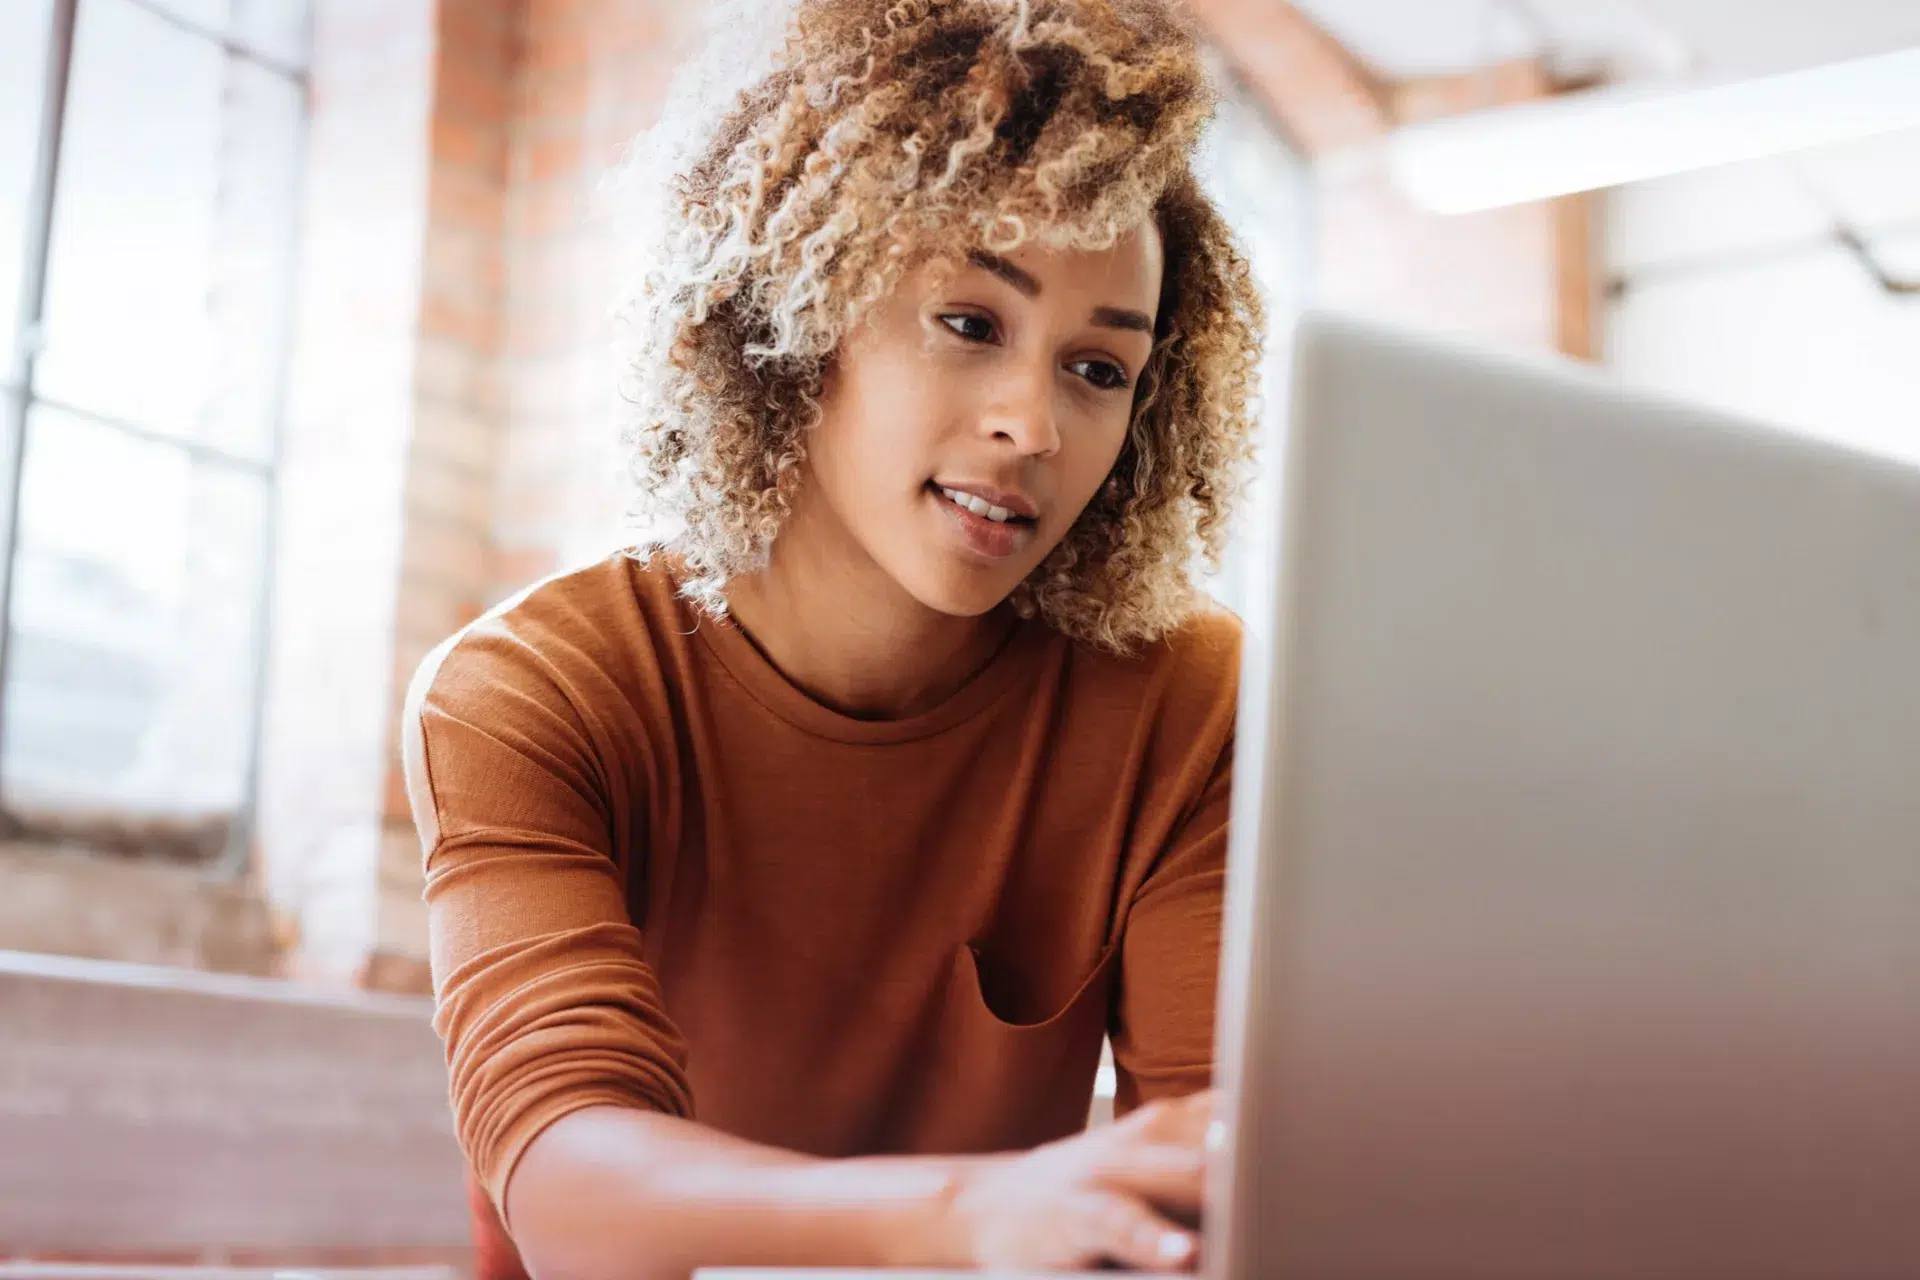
988, 538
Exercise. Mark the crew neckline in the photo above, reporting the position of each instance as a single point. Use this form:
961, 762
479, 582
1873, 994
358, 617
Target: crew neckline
766, 685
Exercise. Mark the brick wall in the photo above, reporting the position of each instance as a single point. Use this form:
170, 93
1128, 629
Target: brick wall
591, 78
134, 910
512, 468
459, 416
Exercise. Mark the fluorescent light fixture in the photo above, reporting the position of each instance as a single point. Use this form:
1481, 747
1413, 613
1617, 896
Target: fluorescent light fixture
1604, 137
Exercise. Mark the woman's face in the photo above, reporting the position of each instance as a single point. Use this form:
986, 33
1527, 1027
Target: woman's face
964, 428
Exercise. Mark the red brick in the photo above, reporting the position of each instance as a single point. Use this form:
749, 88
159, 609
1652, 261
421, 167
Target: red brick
466, 198
404, 665
541, 446
546, 13
461, 262
569, 384
475, 325
445, 373
541, 155
397, 808
396, 975
530, 510
490, 392
570, 266
483, 30
443, 554
409, 651
459, 495
534, 330
400, 857
516, 567
430, 607
558, 38
470, 144
536, 210
455, 434
472, 89
547, 97
641, 36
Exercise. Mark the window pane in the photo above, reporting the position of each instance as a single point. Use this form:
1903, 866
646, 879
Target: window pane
23, 60
9, 415
251, 303
172, 232
210, 15
275, 28
131, 676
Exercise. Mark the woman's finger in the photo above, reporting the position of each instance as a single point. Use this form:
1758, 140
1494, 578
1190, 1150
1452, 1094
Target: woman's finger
1175, 1120
1171, 1176
1119, 1228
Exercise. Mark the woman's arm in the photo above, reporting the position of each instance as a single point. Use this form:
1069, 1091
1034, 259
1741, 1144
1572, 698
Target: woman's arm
614, 1192
1162, 1030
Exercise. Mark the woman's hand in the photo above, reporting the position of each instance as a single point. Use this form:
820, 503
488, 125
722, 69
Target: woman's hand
1126, 1193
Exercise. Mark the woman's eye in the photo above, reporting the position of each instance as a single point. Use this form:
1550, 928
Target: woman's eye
1103, 374
971, 327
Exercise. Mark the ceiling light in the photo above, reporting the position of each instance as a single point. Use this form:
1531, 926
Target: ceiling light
1604, 137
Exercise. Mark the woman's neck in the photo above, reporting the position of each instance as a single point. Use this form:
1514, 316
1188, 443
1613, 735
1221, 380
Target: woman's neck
839, 628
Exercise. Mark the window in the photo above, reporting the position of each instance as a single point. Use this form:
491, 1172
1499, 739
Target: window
149, 161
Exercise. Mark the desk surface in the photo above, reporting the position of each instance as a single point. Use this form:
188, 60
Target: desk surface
855, 1273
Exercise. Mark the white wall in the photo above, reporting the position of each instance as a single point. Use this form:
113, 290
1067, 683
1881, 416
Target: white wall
1736, 293
1265, 193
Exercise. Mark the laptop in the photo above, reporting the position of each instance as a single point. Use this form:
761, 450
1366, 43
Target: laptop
1574, 901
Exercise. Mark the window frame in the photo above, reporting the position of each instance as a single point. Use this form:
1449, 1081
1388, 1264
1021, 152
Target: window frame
21, 393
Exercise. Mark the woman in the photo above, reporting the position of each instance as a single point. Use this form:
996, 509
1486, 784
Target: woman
784, 881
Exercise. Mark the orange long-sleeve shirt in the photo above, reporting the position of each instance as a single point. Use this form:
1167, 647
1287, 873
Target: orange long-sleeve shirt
659, 875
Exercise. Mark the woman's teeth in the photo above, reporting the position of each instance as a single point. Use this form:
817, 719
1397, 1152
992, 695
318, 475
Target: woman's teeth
979, 506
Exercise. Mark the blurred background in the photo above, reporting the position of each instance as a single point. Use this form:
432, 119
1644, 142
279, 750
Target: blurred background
304, 364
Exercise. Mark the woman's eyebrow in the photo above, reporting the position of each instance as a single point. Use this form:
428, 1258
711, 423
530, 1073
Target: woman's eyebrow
1006, 271
1123, 318
1106, 317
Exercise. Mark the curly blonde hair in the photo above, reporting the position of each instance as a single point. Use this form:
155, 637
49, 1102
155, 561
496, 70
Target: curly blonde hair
889, 136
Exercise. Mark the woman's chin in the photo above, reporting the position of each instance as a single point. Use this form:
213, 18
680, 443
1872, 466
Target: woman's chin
962, 595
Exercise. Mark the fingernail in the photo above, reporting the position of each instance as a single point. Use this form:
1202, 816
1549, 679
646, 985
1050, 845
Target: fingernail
1216, 1135
1174, 1246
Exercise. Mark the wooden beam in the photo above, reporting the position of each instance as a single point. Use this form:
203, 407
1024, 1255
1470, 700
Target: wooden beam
1577, 306
1324, 98
1525, 275
1502, 84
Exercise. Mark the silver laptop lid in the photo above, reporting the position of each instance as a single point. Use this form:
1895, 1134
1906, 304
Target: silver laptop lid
1574, 918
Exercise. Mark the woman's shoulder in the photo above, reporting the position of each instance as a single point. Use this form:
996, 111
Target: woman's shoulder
572, 635
1198, 657
1207, 640
1174, 697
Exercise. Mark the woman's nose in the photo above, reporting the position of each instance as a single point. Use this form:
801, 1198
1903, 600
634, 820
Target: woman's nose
1021, 414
